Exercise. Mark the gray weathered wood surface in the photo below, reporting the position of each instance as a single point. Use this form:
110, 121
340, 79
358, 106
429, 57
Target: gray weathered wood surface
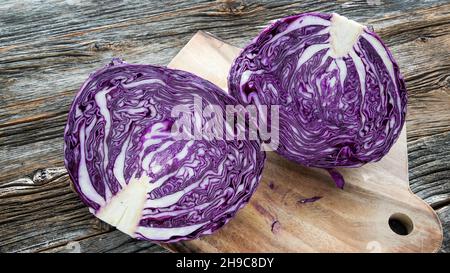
47, 49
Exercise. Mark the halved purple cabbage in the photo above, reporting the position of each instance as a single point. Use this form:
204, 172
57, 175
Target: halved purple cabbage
342, 98
127, 168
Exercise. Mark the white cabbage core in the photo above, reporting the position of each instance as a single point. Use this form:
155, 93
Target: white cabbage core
343, 35
124, 210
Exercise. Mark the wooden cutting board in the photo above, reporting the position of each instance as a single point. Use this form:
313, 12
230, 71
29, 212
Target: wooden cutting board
355, 219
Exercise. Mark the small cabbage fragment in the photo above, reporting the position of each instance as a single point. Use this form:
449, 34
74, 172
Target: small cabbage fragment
126, 166
341, 95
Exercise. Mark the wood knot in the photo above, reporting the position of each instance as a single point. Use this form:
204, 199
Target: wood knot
275, 227
423, 39
98, 46
42, 176
231, 6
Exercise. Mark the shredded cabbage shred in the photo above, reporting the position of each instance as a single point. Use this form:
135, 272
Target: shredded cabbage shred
126, 166
341, 95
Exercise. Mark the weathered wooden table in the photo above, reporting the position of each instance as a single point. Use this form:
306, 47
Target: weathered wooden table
47, 49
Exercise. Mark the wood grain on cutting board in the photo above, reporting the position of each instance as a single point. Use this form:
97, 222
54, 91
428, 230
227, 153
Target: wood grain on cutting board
352, 220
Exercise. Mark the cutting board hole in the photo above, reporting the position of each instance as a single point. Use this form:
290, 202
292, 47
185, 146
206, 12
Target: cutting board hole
401, 224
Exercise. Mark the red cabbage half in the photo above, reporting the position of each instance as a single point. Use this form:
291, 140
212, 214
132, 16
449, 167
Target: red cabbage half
126, 166
342, 98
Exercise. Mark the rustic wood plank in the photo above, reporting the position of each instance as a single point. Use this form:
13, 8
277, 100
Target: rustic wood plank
429, 169
39, 213
109, 242
48, 49
42, 214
